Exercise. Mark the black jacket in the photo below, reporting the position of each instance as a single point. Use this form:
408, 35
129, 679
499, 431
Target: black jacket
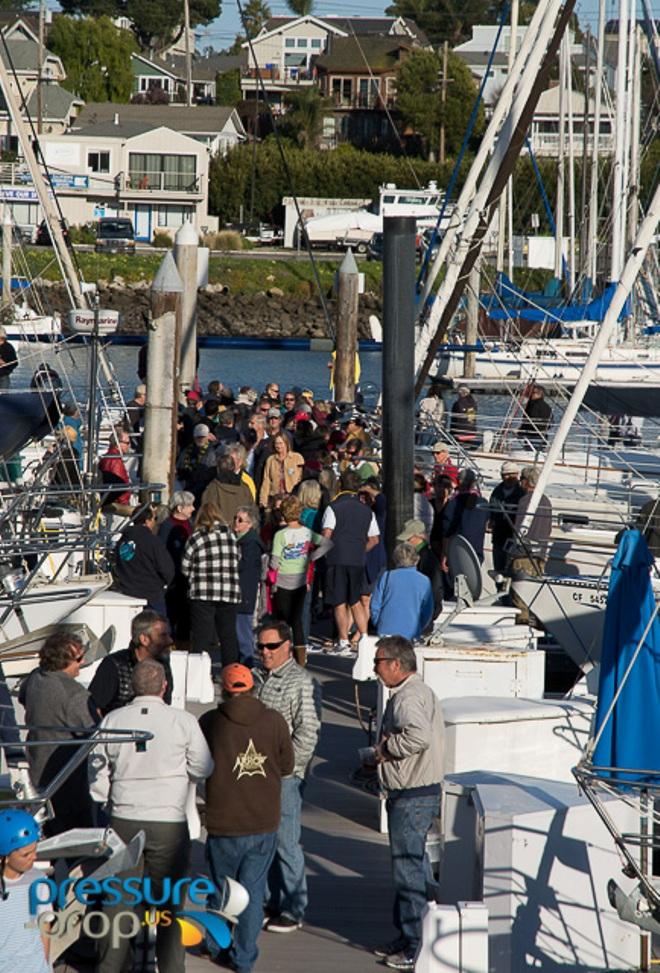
111, 686
250, 550
143, 567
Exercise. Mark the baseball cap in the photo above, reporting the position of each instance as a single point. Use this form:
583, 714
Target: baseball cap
509, 467
301, 417
237, 678
200, 430
273, 414
440, 447
192, 394
411, 528
307, 394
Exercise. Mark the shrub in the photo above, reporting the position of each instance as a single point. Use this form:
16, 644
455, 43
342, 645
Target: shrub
86, 233
162, 239
224, 240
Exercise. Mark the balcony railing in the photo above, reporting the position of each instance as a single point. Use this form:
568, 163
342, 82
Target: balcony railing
168, 182
372, 102
547, 143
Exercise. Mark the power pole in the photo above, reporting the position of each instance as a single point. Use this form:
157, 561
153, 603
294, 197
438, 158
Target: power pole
186, 30
443, 96
40, 60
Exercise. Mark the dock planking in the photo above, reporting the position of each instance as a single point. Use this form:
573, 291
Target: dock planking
348, 868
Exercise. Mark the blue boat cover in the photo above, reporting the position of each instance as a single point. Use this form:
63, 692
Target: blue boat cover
533, 306
630, 738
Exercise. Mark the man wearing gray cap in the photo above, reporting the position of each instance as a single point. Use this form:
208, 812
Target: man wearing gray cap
503, 505
415, 533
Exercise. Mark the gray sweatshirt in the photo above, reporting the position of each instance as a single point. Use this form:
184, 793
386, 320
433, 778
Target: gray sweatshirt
152, 784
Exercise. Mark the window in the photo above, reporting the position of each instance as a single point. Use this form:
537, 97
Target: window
174, 216
316, 43
98, 161
172, 173
302, 42
289, 42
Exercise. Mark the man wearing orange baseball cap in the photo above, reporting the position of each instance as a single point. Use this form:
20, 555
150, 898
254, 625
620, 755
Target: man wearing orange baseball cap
252, 749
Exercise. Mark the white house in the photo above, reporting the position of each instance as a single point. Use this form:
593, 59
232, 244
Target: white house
218, 127
156, 176
476, 53
544, 130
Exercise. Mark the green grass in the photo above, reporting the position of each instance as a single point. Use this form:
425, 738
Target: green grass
242, 276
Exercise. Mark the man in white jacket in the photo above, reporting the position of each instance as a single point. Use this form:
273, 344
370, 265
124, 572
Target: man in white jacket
145, 789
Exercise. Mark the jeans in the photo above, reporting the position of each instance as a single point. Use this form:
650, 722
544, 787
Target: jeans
245, 636
409, 821
245, 858
166, 855
213, 621
287, 883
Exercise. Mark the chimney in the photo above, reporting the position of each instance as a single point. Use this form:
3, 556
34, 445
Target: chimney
115, 120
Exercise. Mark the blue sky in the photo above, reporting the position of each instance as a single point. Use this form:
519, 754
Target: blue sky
222, 31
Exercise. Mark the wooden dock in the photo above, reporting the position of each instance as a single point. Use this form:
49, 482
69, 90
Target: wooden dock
350, 893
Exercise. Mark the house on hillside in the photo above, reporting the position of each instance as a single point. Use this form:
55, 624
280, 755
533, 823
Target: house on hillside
544, 130
287, 49
217, 127
168, 74
358, 76
476, 53
21, 57
145, 170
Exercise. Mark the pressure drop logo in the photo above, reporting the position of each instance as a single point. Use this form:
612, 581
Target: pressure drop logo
146, 903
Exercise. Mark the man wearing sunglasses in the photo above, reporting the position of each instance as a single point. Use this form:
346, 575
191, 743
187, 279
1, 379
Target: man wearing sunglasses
410, 759
285, 686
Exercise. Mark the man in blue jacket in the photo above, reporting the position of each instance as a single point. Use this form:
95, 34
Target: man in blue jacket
402, 601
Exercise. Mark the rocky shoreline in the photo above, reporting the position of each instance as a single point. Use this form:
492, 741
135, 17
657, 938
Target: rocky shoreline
267, 314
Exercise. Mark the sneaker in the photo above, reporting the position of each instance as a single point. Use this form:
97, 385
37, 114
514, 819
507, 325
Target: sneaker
283, 924
400, 961
342, 649
389, 949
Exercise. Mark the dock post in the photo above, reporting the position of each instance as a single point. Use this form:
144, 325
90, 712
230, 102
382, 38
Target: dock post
160, 414
6, 256
472, 322
186, 245
347, 328
398, 381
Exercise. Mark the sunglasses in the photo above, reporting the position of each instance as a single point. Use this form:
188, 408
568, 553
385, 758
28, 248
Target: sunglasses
271, 646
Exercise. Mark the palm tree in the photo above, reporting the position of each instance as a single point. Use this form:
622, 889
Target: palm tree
301, 8
303, 122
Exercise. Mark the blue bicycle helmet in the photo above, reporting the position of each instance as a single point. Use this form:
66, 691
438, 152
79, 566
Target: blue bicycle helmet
17, 829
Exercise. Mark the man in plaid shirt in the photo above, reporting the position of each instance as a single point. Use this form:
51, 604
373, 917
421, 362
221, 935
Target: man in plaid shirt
210, 563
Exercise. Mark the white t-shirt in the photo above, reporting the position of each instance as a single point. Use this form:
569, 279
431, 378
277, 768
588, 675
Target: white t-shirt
329, 522
21, 948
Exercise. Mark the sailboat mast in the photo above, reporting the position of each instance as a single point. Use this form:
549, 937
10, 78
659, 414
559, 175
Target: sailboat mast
592, 244
571, 166
618, 194
42, 190
633, 216
626, 282
559, 204
506, 201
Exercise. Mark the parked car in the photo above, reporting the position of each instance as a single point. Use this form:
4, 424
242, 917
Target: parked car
114, 234
42, 236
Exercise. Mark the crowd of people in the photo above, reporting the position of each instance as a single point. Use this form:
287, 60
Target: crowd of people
280, 512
